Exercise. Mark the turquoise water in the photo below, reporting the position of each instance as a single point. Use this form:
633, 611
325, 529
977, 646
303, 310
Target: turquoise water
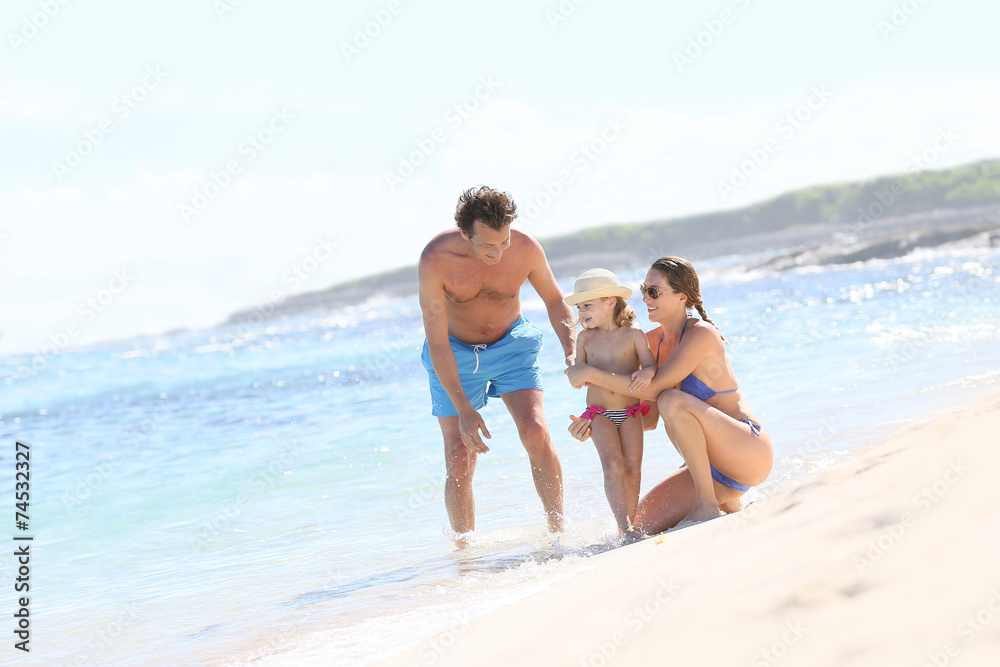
275, 491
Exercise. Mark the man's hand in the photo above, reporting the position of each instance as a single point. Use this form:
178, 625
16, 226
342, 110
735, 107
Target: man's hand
470, 423
580, 428
577, 374
570, 359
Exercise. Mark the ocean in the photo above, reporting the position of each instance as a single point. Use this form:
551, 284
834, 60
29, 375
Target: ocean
272, 492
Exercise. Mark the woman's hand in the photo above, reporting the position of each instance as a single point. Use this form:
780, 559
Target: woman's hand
580, 428
577, 374
641, 378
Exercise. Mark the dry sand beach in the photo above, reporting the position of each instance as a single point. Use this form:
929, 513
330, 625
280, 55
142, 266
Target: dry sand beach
889, 558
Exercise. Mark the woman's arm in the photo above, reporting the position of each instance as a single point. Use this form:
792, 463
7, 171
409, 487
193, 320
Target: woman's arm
581, 374
697, 345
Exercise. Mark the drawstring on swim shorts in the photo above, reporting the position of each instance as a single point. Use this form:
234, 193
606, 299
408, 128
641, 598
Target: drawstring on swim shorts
477, 349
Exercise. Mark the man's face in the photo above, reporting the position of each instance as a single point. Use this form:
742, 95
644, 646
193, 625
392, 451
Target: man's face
487, 243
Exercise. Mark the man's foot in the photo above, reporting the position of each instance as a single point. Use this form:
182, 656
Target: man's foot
458, 540
702, 513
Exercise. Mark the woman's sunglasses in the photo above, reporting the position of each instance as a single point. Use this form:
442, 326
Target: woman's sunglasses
652, 292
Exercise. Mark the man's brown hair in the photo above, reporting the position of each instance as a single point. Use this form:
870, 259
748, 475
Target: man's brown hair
493, 208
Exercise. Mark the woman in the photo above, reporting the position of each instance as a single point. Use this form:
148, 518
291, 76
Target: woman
706, 417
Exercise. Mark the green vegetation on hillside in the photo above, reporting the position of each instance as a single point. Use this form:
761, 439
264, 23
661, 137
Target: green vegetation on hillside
849, 204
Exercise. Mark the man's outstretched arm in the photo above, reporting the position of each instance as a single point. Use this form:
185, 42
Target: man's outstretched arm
560, 314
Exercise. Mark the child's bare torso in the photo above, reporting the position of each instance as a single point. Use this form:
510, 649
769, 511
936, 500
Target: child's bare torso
614, 351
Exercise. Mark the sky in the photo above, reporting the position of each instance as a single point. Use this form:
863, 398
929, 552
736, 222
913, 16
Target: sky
166, 164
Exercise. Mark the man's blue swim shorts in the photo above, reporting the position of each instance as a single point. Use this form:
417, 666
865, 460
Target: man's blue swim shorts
507, 365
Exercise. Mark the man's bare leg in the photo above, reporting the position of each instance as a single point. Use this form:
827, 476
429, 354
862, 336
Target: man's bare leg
460, 462
525, 406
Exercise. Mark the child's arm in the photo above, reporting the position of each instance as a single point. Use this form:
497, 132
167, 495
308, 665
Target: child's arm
641, 378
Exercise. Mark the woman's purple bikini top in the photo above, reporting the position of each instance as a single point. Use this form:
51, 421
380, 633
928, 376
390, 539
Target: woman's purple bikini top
691, 384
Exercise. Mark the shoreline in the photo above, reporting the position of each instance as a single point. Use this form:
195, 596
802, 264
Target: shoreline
809, 245
863, 563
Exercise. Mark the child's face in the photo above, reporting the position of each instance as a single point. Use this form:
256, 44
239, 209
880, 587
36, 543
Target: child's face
596, 312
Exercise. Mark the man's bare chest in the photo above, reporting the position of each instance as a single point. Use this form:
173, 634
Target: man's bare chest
472, 286
465, 293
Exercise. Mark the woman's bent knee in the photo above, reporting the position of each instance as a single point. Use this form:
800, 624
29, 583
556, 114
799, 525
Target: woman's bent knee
672, 402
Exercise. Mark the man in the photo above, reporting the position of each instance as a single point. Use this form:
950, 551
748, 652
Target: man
478, 344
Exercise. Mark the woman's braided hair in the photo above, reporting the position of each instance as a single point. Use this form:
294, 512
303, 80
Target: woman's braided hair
681, 276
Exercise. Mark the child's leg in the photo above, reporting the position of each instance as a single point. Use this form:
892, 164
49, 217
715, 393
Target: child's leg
605, 436
630, 434
651, 419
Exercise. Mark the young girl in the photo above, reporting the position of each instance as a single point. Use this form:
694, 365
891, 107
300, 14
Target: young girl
611, 342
